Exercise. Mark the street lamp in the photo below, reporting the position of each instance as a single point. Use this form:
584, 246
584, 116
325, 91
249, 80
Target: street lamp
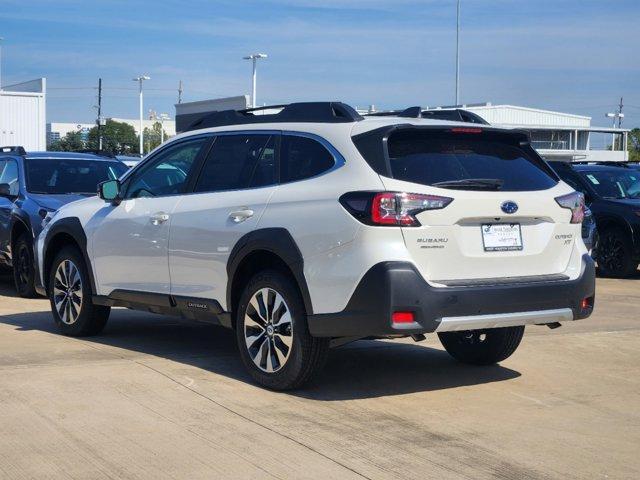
254, 57
140, 79
616, 116
1, 39
162, 117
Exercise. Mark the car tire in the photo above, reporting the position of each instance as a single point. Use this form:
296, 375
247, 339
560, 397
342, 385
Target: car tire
24, 273
70, 295
615, 254
273, 336
482, 347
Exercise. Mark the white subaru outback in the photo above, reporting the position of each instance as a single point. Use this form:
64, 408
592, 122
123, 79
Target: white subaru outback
316, 226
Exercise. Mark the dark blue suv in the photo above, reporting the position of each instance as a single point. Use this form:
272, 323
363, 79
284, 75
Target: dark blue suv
32, 187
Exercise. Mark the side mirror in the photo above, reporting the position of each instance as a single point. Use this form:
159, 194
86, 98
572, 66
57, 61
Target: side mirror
109, 191
5, 190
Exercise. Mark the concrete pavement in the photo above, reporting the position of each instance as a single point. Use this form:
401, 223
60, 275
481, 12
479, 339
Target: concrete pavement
156, 397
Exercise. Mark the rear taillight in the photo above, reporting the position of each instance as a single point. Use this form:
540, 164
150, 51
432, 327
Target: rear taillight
574, 202
391, 208
466, 130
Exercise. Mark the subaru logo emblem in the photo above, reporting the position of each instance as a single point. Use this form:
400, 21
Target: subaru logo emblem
509, 207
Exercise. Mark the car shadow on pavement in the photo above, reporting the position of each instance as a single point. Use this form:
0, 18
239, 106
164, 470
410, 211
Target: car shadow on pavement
363, 369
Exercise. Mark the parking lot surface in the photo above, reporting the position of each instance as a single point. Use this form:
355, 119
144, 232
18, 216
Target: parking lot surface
156, 397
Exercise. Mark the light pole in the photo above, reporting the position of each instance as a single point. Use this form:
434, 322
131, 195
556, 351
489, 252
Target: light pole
458, 53
254, 57
616, 116
1, 39
162, 117
140, 79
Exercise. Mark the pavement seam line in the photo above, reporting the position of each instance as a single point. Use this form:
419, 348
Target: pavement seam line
230, 410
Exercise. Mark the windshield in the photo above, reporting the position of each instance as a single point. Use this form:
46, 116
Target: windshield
615, 183
473, 161
60, 176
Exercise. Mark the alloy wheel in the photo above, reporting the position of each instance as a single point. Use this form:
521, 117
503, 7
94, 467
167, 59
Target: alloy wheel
67, 292
611, 253
23, 266
268, 330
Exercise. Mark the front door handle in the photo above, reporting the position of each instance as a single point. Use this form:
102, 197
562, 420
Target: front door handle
241, 215
159, 218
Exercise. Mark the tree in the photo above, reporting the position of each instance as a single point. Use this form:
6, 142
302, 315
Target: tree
71, 142
153, 136
118, 138
633, 145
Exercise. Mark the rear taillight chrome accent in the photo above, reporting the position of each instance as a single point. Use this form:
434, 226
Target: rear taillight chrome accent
574, 202
466, 130
391, 208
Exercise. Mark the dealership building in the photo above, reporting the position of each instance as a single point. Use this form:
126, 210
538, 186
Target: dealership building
557, 135
23, 114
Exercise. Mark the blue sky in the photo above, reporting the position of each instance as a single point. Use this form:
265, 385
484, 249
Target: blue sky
577, 56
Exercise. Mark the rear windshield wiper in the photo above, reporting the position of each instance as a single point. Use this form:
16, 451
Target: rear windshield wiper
472, 184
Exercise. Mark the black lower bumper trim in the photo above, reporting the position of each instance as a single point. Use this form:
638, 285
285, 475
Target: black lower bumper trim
397, 286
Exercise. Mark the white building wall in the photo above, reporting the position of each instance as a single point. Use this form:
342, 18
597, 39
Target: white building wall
513, 115
23, 115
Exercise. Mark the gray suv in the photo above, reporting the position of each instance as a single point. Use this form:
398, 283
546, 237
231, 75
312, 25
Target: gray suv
32, 187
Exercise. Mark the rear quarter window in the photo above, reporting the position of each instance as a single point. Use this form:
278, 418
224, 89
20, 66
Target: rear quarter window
302, 158
432, 157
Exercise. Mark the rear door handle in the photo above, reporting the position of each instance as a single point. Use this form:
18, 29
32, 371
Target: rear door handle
159, 218
241, 215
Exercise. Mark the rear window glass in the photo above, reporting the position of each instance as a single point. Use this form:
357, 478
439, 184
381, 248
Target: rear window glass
465, 161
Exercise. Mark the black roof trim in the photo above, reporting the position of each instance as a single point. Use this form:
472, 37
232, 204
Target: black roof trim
318, 112
439, 114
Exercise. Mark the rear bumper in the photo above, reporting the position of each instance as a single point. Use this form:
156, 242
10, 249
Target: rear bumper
397, 286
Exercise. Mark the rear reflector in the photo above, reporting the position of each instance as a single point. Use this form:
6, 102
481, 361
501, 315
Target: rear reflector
402, 317
587, 303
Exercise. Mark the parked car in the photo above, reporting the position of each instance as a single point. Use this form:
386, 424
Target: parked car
314, 226
612, 192
129, 160
32, 187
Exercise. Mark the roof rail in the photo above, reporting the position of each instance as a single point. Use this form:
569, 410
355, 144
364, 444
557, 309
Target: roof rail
411, 112
321, 112
451, 114
13, 150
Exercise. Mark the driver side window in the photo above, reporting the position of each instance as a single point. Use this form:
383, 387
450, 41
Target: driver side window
9, 175
168, 172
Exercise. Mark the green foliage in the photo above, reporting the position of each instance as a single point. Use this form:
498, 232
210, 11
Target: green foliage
118, 138
633, 145
153, 137
71, 142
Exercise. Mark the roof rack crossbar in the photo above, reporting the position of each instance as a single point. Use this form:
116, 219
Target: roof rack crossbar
321, 112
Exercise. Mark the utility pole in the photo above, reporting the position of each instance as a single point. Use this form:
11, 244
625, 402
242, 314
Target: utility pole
620, 116
458, 53
99, 115
180, 92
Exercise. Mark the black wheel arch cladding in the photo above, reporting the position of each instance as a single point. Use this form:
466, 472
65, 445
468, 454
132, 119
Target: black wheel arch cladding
71, 227
277, 241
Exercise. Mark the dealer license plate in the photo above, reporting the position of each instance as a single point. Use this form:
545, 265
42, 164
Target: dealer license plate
501, 237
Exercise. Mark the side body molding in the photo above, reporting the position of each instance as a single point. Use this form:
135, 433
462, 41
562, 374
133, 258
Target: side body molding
274, 240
